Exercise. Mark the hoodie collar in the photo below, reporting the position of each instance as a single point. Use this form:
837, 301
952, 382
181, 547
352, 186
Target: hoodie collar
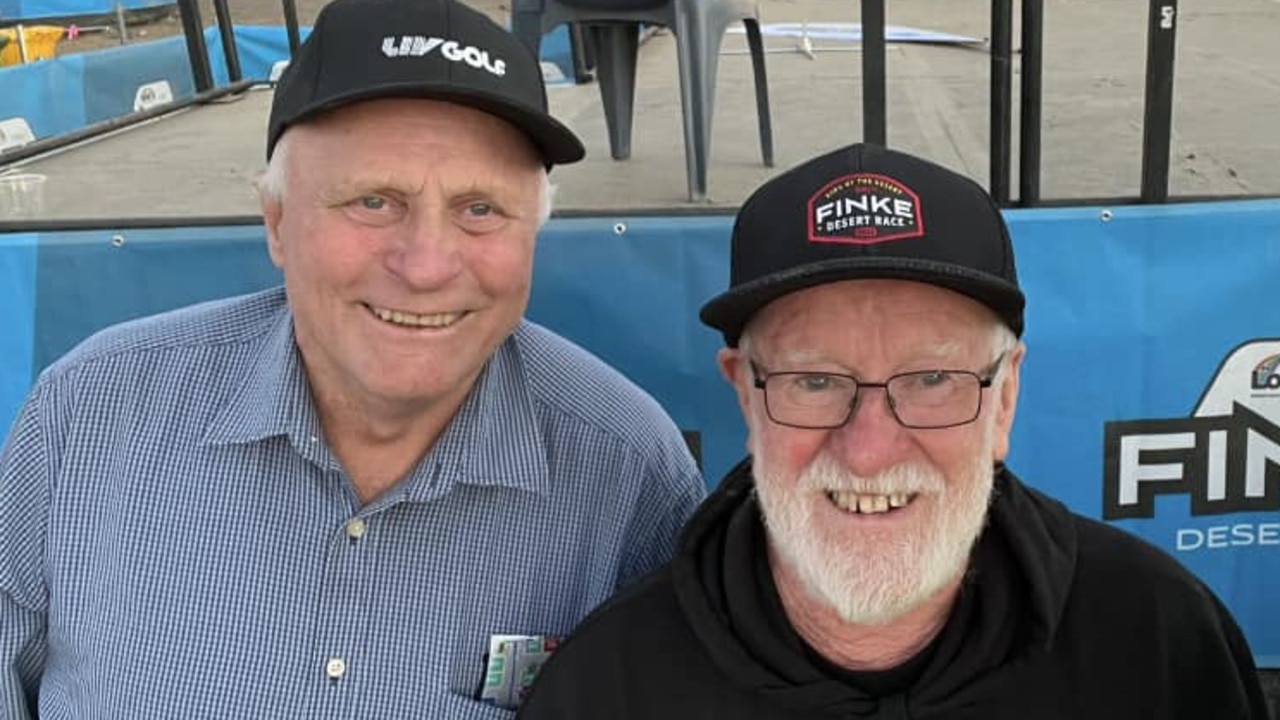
1026, 557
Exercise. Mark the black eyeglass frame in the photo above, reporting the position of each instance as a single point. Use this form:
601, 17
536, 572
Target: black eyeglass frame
760, 379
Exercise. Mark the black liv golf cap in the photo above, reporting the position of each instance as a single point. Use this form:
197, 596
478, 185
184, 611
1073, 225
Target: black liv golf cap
439, 49
866, 212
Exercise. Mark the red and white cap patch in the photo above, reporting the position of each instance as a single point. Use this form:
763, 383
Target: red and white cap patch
863, 209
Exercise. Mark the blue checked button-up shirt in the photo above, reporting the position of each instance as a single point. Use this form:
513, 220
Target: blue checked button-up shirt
177, 540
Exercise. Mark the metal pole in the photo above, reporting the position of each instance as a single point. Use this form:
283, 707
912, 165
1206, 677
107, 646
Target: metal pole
122, 27
49, 144
22, 43
582, 52
227, 32
1001, 97
1157, 116
291, 26
197, 51
1031, 96
873, 72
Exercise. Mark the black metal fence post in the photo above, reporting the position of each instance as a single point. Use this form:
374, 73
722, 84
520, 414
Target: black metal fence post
1001, 97
197, 50
1031, 99
873, 73
227, 32
291, 26
1157, 116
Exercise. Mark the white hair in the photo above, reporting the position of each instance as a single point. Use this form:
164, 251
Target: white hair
271, 183
1003, 341
867, 576
870, 576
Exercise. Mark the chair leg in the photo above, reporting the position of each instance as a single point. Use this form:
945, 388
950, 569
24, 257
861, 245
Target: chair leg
581, 53
698, 49
756, 43
616, 48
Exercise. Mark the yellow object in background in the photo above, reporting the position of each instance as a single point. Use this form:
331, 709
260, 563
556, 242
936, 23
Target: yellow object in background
41, 42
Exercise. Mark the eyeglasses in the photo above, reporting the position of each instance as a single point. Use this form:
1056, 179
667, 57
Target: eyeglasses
923, 400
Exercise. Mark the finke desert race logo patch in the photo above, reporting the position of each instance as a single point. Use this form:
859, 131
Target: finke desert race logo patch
863, 209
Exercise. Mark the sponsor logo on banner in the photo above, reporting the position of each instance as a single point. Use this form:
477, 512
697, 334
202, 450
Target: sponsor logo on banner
1225, 458
863, 209
15, 132
151, 95
451, 50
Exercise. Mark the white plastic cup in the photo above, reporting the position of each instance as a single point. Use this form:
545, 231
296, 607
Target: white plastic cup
21, 196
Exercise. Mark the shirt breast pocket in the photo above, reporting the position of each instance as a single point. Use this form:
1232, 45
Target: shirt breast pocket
500, 670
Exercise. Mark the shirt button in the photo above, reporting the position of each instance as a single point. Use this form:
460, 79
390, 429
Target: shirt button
356, 528
335, 668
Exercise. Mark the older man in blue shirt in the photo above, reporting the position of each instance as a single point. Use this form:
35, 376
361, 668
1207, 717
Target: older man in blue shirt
337, 498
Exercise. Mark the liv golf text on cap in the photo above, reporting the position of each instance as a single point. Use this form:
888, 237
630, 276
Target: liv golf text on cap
438, 49
866, 212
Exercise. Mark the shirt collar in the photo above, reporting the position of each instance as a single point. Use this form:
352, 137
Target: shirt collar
493, 440
273, 398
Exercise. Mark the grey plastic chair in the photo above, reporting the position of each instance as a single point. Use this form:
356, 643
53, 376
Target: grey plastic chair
613, 26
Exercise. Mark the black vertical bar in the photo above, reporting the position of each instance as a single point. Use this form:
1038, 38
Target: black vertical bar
1157, 117
227, 32
197, 51
1001, 97
582, 53
873, 72
1031, 97
291, 26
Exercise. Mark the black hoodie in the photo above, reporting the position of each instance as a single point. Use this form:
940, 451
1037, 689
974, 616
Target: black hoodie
1058, 617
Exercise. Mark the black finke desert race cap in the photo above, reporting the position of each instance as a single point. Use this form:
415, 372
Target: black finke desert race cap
866, 212
439, 49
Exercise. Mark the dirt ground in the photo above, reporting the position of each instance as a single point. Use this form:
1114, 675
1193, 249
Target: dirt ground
160, 22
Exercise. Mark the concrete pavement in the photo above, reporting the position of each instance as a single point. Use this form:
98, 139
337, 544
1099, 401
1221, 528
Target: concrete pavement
199, 162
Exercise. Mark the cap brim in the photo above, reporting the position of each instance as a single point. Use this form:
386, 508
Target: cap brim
730, 311
556, 143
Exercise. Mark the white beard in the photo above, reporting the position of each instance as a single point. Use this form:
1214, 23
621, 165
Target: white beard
874, 576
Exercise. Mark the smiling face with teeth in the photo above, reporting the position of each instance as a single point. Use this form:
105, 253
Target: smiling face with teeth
405, 229
873, 519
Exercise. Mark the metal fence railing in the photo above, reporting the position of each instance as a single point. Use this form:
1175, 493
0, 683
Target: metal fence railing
207, 88
1162, 19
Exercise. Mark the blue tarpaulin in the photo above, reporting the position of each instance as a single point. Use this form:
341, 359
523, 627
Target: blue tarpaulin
1148, 397
12, 10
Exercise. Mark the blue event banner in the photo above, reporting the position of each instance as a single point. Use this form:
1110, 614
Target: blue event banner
1150, 394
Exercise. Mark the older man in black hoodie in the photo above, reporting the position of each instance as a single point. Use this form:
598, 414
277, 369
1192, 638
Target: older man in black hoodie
874, 558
